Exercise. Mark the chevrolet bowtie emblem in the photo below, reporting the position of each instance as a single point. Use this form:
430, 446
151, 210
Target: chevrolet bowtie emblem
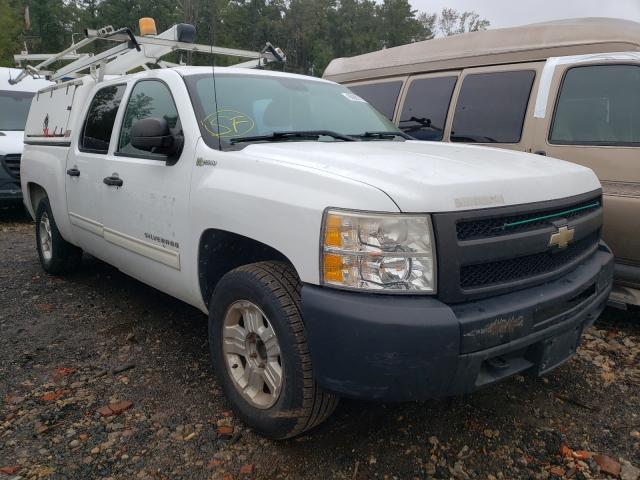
562, 238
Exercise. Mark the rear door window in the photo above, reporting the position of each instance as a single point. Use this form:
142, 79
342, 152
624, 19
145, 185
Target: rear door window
383, 96
598, 105
96, 132
426, 104
491, 107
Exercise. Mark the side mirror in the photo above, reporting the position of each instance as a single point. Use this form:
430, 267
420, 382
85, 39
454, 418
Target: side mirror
154, 135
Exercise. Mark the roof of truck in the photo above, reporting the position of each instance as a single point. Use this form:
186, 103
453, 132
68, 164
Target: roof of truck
535, 42
188, 70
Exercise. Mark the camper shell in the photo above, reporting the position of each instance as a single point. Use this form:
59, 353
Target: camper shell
569, 89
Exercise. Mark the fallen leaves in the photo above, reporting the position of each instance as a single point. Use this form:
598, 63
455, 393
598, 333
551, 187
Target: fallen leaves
225, 431
62, 372
607, 465
567, 452
52, 396
115, 408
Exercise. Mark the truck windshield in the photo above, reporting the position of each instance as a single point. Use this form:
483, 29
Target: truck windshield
14, 108
251, 108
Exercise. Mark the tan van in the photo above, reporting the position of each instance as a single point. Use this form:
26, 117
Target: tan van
568, 89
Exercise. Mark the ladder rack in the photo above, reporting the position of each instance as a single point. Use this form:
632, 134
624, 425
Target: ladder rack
132, 51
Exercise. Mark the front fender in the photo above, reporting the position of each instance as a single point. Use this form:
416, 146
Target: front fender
276, 203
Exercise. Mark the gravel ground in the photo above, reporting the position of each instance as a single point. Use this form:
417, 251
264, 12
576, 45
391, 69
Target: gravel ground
70, 347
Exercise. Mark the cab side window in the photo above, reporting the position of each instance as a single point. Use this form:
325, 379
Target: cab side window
598, 105
426, 104
96, 132
382, 96
149, 98
491, 107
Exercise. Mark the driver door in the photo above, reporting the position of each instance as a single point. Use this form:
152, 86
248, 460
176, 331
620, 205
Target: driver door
146, 209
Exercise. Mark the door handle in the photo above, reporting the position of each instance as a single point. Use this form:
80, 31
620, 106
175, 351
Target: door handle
113, 181
541, 152
73, 172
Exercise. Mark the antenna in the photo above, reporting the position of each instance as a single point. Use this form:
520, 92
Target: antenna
213, 74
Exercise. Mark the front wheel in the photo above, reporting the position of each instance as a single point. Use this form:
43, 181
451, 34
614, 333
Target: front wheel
260, 353
55, 253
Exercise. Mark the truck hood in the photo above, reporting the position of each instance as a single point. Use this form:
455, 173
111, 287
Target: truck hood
438, 177
11, 142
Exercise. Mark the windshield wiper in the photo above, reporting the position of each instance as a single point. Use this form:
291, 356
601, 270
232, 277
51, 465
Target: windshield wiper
384, 135
302, 134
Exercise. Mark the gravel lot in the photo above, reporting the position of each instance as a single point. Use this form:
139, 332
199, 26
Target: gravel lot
71, 346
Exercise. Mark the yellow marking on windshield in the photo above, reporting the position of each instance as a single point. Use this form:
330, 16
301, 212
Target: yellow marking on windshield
228, 123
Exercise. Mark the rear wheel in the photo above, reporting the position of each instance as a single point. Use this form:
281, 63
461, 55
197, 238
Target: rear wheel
260, 352
55, 253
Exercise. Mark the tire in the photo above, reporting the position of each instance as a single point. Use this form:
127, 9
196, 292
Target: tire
299, 404
56, 254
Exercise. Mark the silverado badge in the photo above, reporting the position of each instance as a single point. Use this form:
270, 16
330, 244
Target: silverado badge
562, 238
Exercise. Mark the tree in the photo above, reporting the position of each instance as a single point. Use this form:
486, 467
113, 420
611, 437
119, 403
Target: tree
399, 23
10, 28
311, 32
452, 22
428, 23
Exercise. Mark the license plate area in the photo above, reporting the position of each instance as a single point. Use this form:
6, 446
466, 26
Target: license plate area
556, 350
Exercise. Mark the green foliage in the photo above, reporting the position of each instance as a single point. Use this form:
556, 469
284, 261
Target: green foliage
311, 32
10, 28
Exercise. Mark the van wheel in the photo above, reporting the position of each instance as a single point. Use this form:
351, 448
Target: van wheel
55, 253
260, 352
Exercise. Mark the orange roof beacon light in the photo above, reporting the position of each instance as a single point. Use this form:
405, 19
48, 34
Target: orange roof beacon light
147, 26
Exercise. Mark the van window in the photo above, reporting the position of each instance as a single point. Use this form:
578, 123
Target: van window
426, 104
598, 105
382, 96
14, 106
149, 98
96, 132
491, 107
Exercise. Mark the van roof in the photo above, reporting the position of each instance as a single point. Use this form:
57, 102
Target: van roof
535, 42
29, 84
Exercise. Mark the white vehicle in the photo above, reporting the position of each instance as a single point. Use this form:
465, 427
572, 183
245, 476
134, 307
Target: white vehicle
333, 255
14, 107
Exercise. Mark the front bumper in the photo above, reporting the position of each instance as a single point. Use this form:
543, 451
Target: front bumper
397, 348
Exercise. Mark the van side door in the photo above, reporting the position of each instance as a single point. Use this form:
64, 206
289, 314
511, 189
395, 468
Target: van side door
591, 116
147, 212
85, 166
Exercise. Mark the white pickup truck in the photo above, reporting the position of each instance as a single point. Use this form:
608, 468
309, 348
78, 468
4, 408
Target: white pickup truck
333, 255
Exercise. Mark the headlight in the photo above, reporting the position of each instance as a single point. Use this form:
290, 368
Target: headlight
378, 252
